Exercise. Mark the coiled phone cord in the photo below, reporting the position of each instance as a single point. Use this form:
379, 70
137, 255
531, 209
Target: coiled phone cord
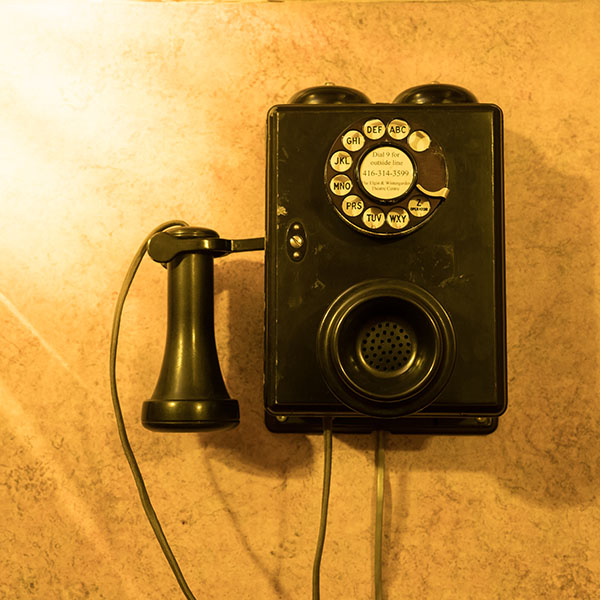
135, 470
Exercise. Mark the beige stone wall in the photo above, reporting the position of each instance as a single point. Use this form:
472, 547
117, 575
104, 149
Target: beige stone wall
115, 117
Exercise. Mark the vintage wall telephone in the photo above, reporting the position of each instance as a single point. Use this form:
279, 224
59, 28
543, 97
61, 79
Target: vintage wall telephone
384, 287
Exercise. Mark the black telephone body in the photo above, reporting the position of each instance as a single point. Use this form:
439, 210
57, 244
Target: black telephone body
385, 263
384, 273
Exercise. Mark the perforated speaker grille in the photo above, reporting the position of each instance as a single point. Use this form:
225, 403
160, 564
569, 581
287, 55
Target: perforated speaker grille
387, 346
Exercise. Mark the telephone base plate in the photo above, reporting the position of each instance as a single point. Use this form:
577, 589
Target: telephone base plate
403, 425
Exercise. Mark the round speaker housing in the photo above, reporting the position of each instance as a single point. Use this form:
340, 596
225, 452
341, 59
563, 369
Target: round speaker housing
386, 348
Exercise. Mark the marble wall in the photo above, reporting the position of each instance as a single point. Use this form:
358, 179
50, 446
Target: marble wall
117, 116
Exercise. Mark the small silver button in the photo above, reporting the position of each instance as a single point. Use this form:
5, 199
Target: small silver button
398, 129
419, 207
352, 206
397, 218
419, 141
373, 218
340, 185
296, 241
353, 140
374, 129
340, 161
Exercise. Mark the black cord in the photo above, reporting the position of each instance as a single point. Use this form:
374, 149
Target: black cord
380, 469
135, 470
327, 426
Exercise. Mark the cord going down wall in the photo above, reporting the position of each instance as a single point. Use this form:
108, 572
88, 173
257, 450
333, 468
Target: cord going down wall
139, 481
135, 470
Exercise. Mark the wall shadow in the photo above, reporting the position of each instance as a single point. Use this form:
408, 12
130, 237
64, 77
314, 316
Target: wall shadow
46, 410
240, 343
541, 450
